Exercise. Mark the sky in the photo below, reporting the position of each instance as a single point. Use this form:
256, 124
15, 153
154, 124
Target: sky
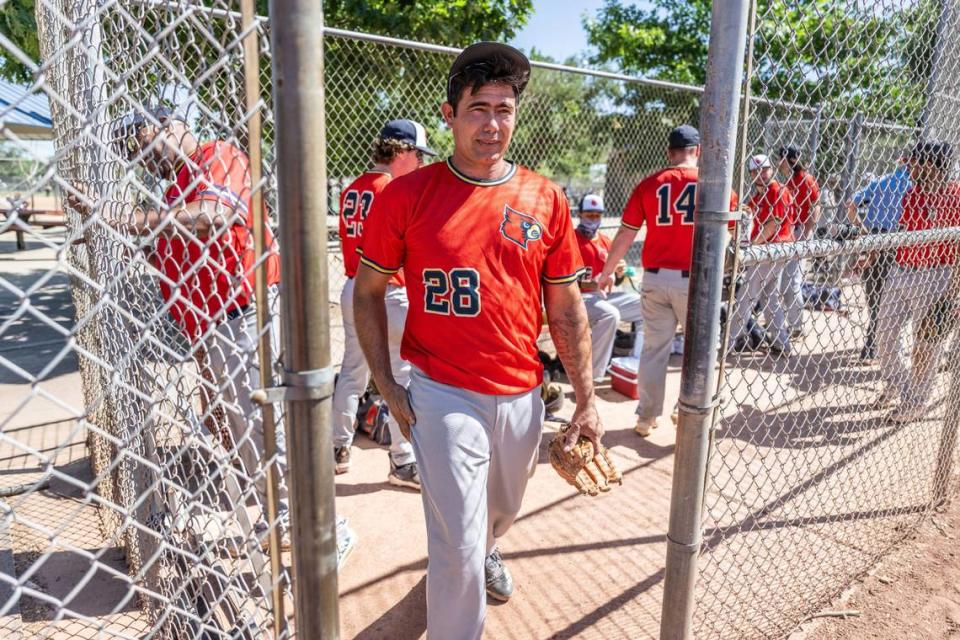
555, 28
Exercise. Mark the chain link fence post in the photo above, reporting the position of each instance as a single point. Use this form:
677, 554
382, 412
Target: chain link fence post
297, 30
718, 122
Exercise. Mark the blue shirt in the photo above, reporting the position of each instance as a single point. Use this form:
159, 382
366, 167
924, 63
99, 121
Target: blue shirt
882, 200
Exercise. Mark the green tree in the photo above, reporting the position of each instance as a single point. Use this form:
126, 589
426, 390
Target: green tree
850, 57
455, 22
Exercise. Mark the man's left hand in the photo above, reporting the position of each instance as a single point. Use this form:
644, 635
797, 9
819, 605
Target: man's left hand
585, 422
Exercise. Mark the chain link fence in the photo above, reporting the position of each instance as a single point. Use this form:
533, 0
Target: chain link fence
145, 483
835, 437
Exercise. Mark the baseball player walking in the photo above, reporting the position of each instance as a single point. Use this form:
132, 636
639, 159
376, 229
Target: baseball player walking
482, 242
773, 221
666, 202
398, 150
918, 281
604, 310
806, 202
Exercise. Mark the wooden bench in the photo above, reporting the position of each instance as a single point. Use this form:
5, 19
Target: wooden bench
42, 218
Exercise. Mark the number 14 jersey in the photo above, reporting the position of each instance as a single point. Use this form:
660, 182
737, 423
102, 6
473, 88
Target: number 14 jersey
476, 255
666, 201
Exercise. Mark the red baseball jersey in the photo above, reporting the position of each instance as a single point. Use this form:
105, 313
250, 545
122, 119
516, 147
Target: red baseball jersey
208, 277
593, 252
775, 202
476, 254
929, 210
356, 202
806, 194
667, 202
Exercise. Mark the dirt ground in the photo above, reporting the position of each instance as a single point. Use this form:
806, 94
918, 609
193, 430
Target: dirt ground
914, 593
583, 567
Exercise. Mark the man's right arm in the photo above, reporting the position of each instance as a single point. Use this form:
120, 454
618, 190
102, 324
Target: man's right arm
370, 318
618, 249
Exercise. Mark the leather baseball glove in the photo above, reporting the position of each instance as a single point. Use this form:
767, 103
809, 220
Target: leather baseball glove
591, 472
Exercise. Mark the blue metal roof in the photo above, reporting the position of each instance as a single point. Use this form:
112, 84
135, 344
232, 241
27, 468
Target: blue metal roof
23, 109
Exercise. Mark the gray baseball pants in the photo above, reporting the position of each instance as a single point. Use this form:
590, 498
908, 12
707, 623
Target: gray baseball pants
235, 366
761, 284
475, 453
355, 374
664, 307
907, 296
605, 315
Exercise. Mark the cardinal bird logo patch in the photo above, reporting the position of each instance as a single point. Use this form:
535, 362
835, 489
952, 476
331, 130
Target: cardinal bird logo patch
519, 228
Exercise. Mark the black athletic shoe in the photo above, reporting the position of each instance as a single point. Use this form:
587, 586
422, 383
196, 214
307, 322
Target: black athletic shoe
341, 456
499, 581
404, 475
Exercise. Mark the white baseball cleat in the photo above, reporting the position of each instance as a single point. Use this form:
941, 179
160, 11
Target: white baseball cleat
645, 426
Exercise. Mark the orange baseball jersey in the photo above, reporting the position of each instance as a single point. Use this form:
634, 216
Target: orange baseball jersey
213, 276
476, 254
593, 252
667, 202
922, 211
806, 194
355, 204
775, 202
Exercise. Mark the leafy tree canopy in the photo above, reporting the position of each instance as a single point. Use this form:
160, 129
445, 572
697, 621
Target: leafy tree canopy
454, 22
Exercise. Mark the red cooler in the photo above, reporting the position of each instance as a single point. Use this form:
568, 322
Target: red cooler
623, 376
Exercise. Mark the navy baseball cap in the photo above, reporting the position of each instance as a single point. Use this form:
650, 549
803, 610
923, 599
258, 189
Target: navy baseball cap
480, 53
682, 137
790, 153
407, 132
938, 153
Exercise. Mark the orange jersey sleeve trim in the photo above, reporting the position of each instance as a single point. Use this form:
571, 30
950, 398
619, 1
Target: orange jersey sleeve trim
629, 226
566, 279
376, 267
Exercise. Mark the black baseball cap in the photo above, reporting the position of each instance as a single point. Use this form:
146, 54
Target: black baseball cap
480, 53
790, 153
407, 132
682, 137
938, 153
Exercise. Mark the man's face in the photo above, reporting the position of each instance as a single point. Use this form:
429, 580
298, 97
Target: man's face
406, 162
784, 166
483, 124
762, 176
920, 172
162, 146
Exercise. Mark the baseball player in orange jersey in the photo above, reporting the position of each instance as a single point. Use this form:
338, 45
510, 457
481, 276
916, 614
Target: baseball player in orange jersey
398, 150
484, 243
666, 201
806, 202
604, 310
773, 221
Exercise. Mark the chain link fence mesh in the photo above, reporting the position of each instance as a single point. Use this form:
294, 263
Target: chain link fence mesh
836, 432
138, 482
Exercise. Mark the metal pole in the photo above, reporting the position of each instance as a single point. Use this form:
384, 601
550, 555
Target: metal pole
719, 116
936, 62
297, 33
251, 79
948, 438
814, 143
854, 133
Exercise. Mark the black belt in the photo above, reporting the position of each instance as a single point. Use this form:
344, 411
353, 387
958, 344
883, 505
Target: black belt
683, 274
236, 312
